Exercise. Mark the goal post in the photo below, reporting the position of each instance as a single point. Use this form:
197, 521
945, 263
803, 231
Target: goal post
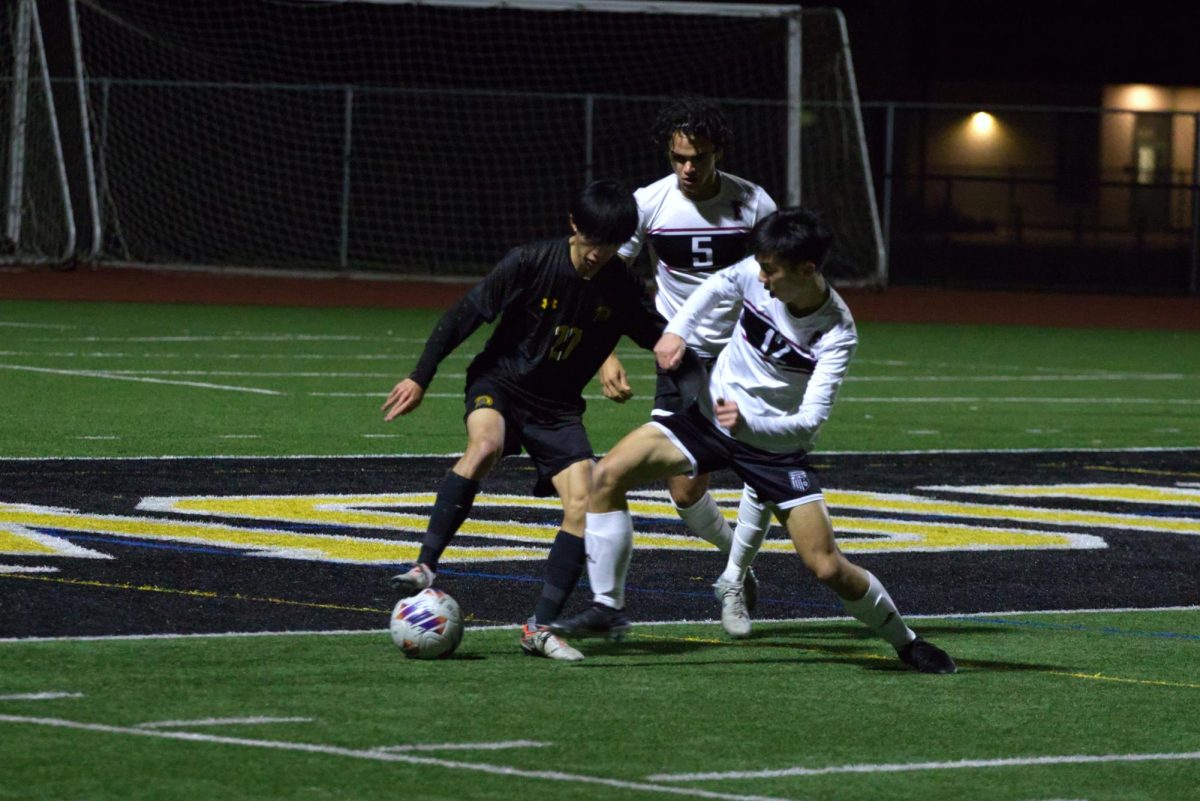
38, 219
428, 136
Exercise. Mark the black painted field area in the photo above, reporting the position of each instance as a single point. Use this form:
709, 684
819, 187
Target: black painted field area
154, 586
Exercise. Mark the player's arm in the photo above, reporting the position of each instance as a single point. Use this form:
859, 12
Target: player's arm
482, 304
456, 325
614, 382
722, 285
833, 360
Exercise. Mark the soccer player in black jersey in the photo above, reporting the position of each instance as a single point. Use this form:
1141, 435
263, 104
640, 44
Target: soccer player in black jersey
562, 306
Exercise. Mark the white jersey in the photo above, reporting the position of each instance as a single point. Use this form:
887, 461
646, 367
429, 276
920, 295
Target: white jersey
691, 240
782, 371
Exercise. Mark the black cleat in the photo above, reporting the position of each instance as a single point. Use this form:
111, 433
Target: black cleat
597, 620
926, 657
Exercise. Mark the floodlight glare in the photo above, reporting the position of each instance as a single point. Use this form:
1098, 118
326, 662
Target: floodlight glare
983, 124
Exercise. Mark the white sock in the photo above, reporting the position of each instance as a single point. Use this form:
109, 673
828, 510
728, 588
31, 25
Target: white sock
753, 521
877, 610
705, 520
608, 538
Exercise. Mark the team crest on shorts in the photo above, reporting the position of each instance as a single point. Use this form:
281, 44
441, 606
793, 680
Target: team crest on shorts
484, 400
798, 480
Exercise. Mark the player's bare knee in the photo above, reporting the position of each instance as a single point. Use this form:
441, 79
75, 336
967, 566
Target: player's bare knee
607, 481
481, 455
826, 568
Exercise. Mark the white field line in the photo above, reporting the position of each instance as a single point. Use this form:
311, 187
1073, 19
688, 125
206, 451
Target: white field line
111, 376
376, 755
341, 357
1100, 401
27, 569
46, 696
493, 746
1064, 759
852, 399
650, 376
240, 338
456, 454
248, 721
268, 373
34, 325
640, 624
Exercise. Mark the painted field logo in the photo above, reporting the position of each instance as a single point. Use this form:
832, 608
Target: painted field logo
514, 527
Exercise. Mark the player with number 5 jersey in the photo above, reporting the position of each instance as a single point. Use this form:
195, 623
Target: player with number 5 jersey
695, 222
691, 238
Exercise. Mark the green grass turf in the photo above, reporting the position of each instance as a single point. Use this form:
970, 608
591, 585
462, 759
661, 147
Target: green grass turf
911, 387
675, 698
672, 699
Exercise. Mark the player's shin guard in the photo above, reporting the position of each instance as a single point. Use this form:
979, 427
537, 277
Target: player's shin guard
877, 610
705, 520
753, 521
455, 497
564, 566
609, 540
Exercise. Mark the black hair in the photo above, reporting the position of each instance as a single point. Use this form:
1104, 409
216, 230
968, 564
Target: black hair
794, 234
605, 212
694, 116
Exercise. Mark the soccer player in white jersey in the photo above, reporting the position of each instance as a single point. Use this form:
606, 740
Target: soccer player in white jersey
771, 389
695, 222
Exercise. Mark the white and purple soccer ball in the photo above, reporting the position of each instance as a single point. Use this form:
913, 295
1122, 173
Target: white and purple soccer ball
428, 625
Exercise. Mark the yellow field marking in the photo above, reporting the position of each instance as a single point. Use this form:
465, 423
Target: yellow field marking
1143, 470
262, 542
1121, 493
17, 540
386, 511
1101, 677
902, 503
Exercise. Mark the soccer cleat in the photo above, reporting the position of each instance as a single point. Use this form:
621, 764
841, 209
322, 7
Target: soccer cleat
540, 641
926, 657
735, 618
417, 578
597, 620
750, 590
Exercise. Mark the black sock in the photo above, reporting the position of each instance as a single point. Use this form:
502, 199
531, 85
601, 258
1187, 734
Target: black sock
564, 566
453, 504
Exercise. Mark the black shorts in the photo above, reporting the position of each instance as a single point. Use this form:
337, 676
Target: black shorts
669, 396
782, 479
554, 439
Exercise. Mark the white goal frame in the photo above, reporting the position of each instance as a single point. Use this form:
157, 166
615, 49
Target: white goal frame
869, 237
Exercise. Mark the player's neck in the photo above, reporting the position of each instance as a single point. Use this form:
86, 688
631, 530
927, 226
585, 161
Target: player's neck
811, 298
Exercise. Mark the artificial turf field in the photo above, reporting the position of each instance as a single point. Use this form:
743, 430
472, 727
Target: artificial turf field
174, 476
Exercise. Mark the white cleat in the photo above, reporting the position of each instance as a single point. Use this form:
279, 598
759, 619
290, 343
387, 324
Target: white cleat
418, 577
540, 641
735, 618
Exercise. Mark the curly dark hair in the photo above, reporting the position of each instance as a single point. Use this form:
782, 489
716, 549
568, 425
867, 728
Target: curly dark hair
694, 116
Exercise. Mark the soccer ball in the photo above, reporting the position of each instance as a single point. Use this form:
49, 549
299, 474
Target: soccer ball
428, 625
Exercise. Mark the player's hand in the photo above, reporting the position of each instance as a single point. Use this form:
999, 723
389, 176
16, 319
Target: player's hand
728, 416
403, 398
613, 381
669, 351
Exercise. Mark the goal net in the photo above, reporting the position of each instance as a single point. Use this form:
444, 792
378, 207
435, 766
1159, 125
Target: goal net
429, 137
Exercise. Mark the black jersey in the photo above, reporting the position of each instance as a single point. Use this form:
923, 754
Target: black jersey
555, 327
